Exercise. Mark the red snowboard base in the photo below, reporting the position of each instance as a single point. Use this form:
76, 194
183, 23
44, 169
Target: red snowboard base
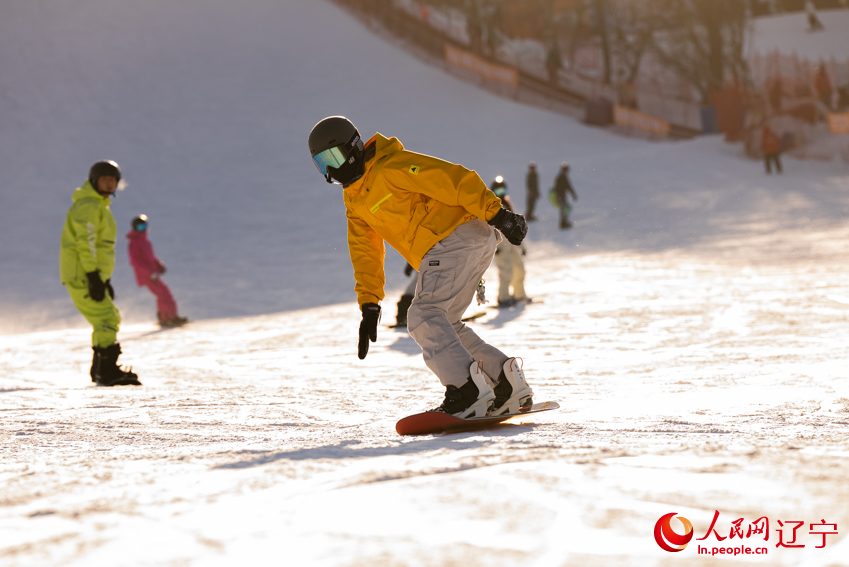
438, 422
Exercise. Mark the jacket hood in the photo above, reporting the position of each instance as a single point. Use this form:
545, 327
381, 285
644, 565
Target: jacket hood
136, 235
386, 146
87, 192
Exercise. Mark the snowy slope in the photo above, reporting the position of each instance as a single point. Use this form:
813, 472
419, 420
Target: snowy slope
209, 122
692, 326
788, 33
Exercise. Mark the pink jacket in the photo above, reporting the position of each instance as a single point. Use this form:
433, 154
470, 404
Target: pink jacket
142, 259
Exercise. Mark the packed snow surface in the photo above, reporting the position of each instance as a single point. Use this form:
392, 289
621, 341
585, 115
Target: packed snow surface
692, 325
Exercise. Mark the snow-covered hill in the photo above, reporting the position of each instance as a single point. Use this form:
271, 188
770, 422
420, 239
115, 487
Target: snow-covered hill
207, 107
692, 325
790, 33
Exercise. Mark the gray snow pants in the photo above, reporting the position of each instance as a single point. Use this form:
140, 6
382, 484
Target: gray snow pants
447, 282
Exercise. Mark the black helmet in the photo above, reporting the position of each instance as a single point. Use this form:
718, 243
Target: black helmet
140, 223
498, 186
337, 150
102, 168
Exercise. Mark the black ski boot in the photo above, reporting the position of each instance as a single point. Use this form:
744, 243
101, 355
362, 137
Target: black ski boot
403, 307
175, 322
105, 370
472, 399
93, 364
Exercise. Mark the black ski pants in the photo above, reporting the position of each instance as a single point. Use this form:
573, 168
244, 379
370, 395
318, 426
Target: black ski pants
775, 158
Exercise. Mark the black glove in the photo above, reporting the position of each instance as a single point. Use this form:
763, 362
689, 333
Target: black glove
96, 287
408, 269
109, 290
368, 327
512, 226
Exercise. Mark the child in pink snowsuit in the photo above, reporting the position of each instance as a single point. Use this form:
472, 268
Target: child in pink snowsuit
148, 268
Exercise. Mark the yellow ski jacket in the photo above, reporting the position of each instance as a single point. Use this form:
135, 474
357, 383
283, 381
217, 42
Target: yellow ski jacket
88, 237
411, 201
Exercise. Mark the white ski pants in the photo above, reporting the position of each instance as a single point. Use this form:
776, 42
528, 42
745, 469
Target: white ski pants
447, 282
511, 271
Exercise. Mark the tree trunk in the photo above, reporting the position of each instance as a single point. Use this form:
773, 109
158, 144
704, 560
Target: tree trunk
716, 44
601, 14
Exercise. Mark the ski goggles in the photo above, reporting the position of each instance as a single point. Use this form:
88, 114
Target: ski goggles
141, 227
334, 157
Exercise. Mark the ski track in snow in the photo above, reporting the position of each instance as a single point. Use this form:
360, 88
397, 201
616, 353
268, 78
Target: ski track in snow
692, 326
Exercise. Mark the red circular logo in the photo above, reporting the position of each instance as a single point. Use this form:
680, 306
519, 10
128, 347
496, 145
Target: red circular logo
666, 537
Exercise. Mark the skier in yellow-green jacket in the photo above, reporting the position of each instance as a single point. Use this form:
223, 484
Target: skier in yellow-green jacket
86, 262
444, 221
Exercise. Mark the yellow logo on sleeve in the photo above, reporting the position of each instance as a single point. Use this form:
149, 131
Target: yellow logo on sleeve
414, 169
377, 205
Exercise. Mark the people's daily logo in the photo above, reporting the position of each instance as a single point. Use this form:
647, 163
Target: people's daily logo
667, 538
790, 535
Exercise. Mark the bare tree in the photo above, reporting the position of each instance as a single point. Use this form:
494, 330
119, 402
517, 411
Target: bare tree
483, 21
633, 24
702, 41
601, 16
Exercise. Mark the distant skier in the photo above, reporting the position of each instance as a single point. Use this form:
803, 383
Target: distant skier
531, 191
149, 269
442, 218
406, 298
86, 263
771, 146
508, 258
553, 63
563, 189
823, 85
814, 23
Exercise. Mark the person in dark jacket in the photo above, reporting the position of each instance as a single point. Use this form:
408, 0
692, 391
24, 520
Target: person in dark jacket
407, 298
532, 191
823, 85
562, 188
771, 146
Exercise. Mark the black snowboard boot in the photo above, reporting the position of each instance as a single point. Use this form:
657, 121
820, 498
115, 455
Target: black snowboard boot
105, 370
175, 322
403, 307
512, 393
93, 364
472, 399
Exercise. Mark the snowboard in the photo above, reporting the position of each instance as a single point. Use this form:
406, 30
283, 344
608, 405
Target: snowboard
473, 317
520, 303
438, 422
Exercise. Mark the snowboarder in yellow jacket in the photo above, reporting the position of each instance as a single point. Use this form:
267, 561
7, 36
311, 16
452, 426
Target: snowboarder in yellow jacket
442, 219
86, 262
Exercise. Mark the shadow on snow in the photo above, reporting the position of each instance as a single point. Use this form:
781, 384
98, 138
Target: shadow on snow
350, 449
